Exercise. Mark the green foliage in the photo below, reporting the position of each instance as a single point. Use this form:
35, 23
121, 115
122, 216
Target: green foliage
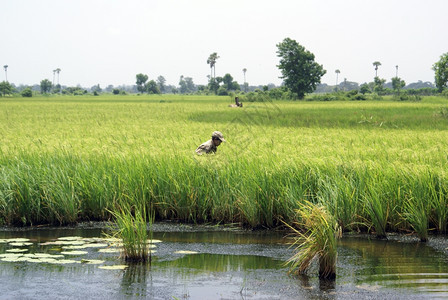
45, 86
186, 85
27, 93
152, 88
211, 60
364, 89
161, 81
397, 84
299, 71
131, 223
76, 91
319, 239
5, 88
141, 81
378, 86
441, 72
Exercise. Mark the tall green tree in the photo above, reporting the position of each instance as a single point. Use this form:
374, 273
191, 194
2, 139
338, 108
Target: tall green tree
141, 81
45, 86
152, 88
245, 84
441, 72
378, 84
161, 83
229, 84
337, 74
397, 84
300, 72
186, 85
376, 64
58, 86
5, 88
212, 62
6, 72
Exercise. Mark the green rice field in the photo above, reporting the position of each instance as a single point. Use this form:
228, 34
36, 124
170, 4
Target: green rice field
376, 165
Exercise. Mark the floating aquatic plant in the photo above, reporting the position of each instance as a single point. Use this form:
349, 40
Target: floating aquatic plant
74, 252
186, 252
115, 267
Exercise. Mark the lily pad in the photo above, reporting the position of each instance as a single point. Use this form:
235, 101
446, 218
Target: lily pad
33, 260
96, 245
48, 260
186, 252
16, 250
92, 261
154, 241
43, 255
93, 240
73, 247
109, 250
62, 243
17, 240
115, 267
8, 255
20, 244
70, 238
13, 259
74, 252
66, 261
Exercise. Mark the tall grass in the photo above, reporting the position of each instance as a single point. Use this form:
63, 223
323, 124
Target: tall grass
131, 228
68, 159
319, 239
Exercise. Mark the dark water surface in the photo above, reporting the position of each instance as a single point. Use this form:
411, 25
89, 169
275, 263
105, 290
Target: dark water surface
228, 265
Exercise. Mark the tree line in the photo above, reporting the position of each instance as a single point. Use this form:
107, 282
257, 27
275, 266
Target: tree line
300, 72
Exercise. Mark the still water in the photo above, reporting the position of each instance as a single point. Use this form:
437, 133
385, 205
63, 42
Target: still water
203, 263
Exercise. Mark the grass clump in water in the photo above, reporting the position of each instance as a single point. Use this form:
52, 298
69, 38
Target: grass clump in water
318, 239
131, 228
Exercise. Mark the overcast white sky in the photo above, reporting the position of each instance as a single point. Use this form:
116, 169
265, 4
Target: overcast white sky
110, 41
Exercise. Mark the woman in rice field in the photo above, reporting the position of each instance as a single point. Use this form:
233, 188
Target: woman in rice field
211, 146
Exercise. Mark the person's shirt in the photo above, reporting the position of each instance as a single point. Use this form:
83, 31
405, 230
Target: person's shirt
207, 147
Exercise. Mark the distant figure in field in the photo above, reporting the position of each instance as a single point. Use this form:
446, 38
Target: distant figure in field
237, 103
210, 146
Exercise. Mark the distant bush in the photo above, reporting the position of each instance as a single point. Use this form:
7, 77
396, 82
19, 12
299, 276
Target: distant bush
116, 91
27, 93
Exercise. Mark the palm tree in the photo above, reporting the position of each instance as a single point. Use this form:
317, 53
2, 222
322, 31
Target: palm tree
54, 72
6, 72
58, 71
244, 72
376, 64
337, 73
212, 61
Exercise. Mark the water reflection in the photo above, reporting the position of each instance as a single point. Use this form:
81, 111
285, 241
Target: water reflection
134, 281
411, 266
231, 265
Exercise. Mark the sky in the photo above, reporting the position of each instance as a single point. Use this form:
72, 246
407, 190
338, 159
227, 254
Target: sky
110, 41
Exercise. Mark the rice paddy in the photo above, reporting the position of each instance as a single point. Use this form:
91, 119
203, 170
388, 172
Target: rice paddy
68, 159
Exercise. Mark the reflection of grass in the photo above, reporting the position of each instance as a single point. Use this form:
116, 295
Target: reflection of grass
317, 240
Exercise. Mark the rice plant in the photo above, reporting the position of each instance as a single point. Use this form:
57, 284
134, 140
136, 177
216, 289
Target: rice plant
68, 159
131, 228
315, 235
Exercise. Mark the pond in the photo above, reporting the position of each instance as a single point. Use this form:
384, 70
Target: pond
207, 262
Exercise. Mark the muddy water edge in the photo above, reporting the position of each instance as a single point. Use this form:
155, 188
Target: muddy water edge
213, 262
